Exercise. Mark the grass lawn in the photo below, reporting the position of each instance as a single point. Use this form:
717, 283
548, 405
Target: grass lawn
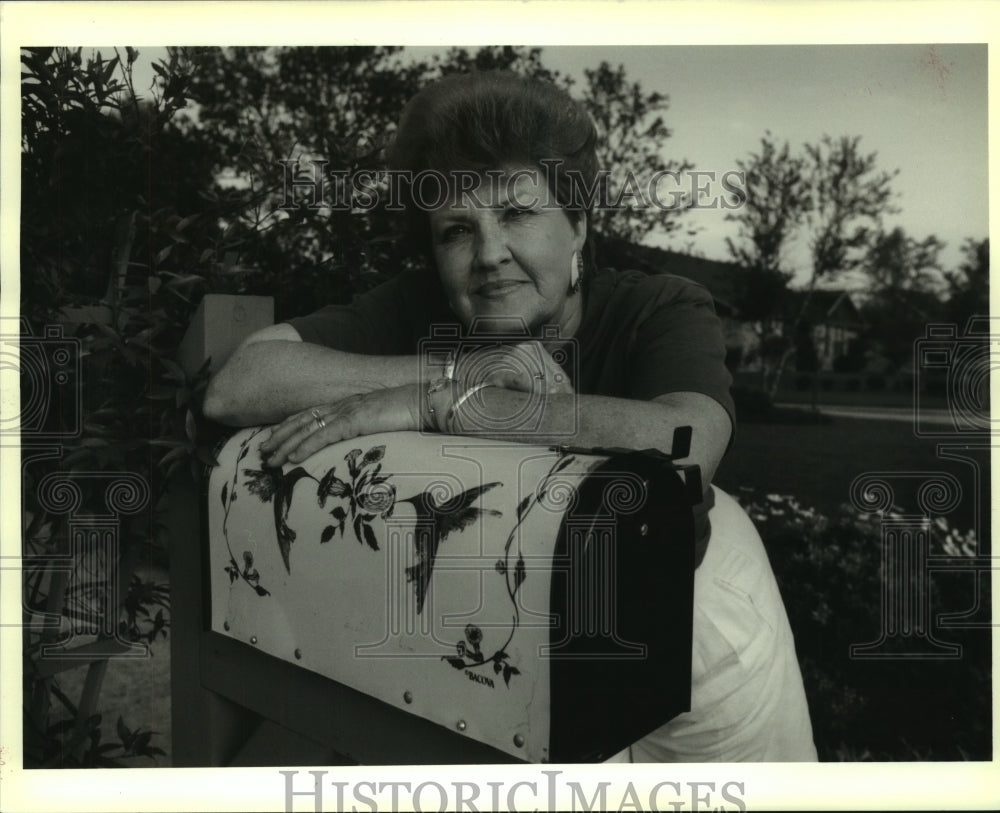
886, 709
876, 399
818, 462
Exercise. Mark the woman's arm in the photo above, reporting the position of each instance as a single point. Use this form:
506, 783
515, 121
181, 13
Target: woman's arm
273, 374
600, 420
515, 416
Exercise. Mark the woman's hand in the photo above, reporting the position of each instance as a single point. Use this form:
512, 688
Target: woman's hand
394, 409
525, 367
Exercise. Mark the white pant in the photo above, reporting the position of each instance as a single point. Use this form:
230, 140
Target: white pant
747, 699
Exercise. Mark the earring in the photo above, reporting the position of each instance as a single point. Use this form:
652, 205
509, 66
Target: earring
575, 272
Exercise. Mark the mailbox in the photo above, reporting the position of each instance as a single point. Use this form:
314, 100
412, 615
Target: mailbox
535, 599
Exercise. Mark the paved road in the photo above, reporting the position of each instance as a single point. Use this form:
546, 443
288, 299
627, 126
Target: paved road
905, 414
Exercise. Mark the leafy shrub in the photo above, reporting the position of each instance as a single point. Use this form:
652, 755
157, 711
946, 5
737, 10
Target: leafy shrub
751, 403
98, 161
853, 361
829, 572
806, 356
902, 382
734, 358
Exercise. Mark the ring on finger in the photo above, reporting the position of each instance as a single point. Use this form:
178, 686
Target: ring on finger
320, 423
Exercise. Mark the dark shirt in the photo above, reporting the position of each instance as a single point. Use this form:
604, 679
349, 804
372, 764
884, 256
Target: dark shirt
640, 336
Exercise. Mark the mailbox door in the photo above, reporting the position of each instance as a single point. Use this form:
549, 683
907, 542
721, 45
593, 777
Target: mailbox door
623, 590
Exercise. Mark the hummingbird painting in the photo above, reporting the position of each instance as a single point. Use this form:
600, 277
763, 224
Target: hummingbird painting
434, 523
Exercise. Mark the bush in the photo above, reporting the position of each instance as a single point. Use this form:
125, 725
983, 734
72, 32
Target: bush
853, 361
806, 358
734, 358
751, 403
828, 569
96, 252
875, 383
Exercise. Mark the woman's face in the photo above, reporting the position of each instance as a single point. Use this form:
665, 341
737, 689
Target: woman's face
505, 249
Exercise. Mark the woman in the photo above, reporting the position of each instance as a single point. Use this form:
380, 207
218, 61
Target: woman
506, 237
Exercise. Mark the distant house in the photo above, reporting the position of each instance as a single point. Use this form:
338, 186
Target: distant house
834, 320
832, 314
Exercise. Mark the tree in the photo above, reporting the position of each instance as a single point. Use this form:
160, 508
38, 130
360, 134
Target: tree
91, 149
831, 196
893, 322
848, 196
897, 262
969, 285
632, 135
525, 61
904, 296
336, 106
776, 206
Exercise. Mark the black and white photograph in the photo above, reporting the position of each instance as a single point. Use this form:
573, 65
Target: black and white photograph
585, 421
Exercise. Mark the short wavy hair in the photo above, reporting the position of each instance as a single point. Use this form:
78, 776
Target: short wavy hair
486, 120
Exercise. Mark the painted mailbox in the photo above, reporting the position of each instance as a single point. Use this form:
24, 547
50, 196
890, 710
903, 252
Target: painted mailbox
536, 600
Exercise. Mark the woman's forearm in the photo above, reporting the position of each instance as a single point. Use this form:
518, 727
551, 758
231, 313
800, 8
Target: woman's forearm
597, 420
265, 381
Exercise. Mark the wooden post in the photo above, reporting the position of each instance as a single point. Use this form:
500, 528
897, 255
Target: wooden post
207, 729
221, 322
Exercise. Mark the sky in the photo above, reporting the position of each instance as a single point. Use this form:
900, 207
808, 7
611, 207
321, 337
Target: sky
921, 108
